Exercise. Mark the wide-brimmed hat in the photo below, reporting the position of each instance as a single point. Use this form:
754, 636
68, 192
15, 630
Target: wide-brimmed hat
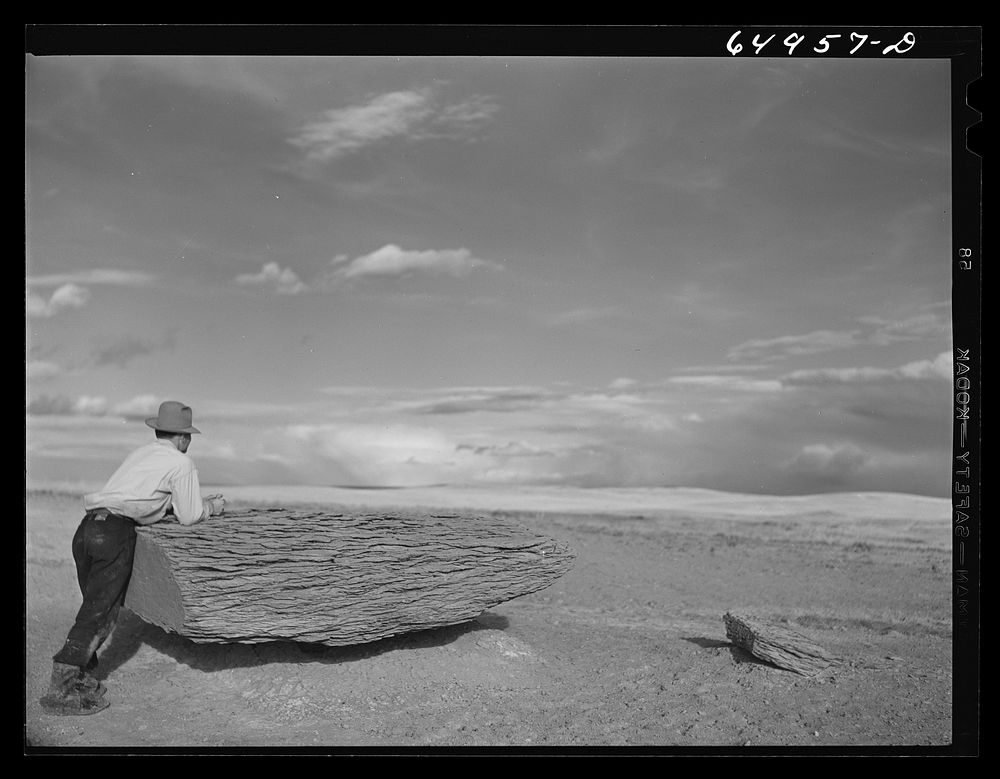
173, 417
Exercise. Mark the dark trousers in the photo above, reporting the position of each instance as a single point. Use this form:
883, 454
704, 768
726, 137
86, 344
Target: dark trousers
103, 549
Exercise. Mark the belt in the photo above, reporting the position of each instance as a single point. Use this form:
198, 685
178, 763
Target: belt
99, 515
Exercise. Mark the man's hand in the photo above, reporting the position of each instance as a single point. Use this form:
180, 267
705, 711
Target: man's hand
217, 505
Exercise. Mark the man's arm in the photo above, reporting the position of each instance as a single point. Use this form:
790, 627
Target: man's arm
189, 508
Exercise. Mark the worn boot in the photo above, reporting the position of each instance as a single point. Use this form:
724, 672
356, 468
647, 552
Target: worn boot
66, 694
88, 681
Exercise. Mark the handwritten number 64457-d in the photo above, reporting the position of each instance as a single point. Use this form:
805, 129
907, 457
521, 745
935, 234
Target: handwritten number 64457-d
858, 40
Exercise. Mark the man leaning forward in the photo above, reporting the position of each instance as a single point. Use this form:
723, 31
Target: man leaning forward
154, 481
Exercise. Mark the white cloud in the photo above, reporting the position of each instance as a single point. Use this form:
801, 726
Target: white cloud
409, 455
413, 115
927, 325
877, 332
738, 383
815, 342
467, 115
283, 281
941, 367
67, 296
391, 260
139, 407
344, 130
509, 449
109, 276
377, 455
938, 368
837, 376
835, 462
87, 405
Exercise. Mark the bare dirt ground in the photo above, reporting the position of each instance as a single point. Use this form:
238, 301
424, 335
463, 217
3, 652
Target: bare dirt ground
627, 650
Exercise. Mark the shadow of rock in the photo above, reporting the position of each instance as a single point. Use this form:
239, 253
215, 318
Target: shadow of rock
131, 633
707, 643
739, 654
742, 656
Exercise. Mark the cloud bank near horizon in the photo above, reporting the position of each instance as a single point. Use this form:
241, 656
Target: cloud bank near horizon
832, 430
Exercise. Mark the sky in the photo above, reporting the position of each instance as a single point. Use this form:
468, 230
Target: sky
729, 273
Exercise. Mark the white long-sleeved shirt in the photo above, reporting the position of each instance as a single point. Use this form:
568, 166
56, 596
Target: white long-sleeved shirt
151, 479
